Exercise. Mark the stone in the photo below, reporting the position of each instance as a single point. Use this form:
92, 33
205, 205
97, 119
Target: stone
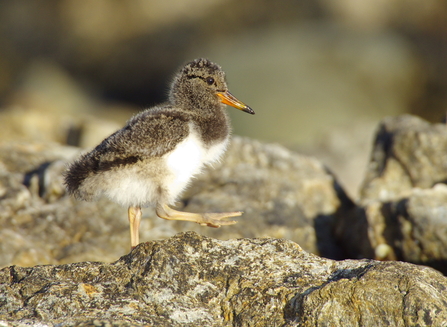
412, 229
192, 280
402, 214
408, 152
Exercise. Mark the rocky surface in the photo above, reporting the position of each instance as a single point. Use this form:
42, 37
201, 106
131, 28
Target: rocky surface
191, 280
402, 213
283, 194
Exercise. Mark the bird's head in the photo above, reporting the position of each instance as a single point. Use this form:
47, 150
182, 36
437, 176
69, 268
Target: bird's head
202, 83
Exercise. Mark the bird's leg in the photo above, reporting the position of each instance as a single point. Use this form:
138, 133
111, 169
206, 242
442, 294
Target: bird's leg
204, 219
134, 214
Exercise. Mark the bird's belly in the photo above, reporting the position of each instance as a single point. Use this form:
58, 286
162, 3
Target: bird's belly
187, 160
131, 187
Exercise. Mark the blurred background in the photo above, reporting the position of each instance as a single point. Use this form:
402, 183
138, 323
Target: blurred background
319, 74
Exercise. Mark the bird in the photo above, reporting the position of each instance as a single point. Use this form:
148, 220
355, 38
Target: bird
154, 157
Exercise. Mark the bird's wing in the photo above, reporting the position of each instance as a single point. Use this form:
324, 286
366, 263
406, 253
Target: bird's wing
151, 133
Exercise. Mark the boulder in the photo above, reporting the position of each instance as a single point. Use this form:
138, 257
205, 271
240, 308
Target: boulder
412, 229
408, 152
402, 213
192, 280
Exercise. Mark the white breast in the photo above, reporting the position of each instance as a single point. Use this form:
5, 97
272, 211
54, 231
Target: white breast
187, 160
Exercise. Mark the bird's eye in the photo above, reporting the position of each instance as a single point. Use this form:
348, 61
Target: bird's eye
209, 80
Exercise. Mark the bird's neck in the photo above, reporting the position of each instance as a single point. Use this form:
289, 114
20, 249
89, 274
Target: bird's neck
213, 124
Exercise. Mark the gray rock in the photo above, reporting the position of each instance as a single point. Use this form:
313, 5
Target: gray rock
408, 152
403, 212
412, 229
283, 194
191, 280
40, 225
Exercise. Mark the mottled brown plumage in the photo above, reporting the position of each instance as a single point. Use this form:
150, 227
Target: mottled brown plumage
152, 159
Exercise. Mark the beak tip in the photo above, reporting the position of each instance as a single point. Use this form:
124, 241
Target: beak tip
247, 109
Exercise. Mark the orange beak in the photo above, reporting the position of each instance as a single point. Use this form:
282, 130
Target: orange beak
228, 99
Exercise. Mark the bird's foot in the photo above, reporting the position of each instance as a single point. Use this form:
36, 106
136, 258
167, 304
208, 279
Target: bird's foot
215, 219
205, 219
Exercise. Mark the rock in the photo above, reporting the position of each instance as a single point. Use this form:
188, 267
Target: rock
40, 224
191, 280
408, 152
283, 194
411, 229
402, 214
422, 233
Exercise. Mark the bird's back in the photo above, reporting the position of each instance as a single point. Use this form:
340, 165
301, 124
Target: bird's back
145, 136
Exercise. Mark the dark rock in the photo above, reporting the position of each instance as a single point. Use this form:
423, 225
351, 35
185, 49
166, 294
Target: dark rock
190, 280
